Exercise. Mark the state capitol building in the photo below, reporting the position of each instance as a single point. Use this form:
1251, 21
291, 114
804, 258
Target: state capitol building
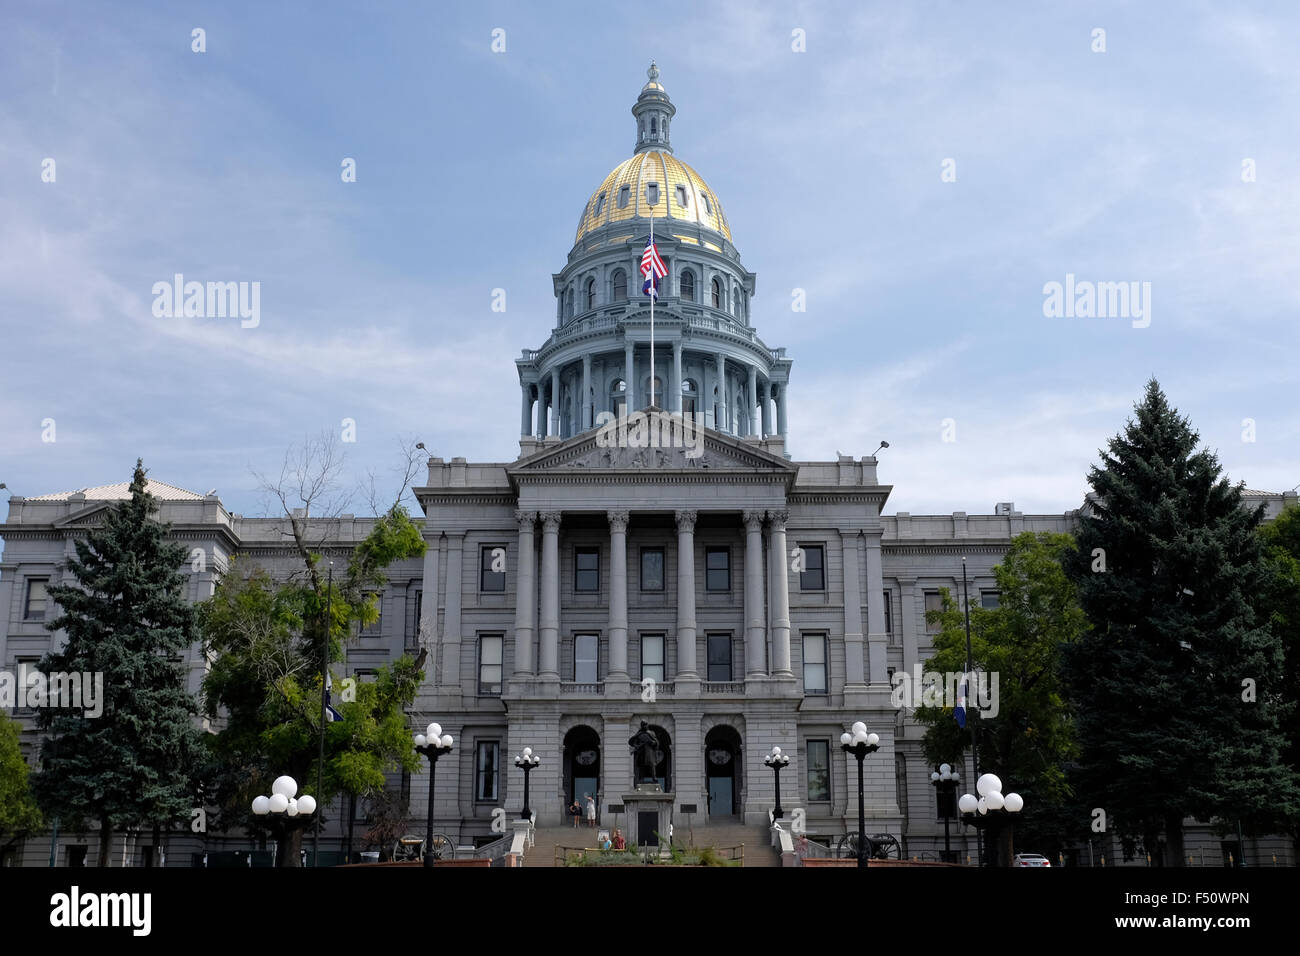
625, 568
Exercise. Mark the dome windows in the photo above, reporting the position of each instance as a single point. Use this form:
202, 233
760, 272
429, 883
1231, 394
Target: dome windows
600, 204
717, 293
708, 206
652, 194
624, 194
688, 285
681, 197
619, 283
591, 293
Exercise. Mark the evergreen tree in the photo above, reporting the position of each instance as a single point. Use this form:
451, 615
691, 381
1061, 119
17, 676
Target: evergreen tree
127, 622
1281, 539
1170, 574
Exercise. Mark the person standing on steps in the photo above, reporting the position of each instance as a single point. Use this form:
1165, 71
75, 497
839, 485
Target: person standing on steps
591, 810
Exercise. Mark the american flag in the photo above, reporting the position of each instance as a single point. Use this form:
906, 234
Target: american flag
652, 269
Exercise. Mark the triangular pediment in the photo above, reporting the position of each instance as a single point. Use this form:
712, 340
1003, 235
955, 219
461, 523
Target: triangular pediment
89, 517
652, 441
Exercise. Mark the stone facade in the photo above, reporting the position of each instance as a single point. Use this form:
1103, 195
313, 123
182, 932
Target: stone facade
732, 598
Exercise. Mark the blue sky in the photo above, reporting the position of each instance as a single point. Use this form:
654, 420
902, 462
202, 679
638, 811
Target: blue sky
924, 297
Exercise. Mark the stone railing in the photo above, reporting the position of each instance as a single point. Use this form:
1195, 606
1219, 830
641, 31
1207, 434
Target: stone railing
662, 688
718, 688
582, 688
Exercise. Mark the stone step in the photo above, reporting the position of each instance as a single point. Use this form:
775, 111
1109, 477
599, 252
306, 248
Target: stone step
756, 840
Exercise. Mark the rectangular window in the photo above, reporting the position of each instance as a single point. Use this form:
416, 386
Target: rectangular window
889, 614
819, 770
813, 576
989, 600
719, 657
681, 196
814, 664
717, 569
413, 637
933, 602
492, 568
652, 657
652, 569
37, 599
487, 767
31, 663
489, 665
586, 650
586, 569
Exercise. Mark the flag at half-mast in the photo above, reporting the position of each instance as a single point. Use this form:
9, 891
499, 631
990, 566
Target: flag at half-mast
652, 269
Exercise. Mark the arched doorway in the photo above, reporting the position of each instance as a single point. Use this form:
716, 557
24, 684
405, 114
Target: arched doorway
722, 770
581, 765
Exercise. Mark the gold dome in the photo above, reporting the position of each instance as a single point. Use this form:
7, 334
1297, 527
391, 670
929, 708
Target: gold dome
610, 204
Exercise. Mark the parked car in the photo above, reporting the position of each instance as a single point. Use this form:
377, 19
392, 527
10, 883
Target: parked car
1031, 859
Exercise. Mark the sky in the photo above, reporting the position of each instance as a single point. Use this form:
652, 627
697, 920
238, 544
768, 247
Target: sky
921, 171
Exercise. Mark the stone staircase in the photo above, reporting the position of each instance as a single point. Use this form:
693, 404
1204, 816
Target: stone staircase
756, 839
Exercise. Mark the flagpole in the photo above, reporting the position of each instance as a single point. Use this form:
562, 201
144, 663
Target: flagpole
653, 280
972, 713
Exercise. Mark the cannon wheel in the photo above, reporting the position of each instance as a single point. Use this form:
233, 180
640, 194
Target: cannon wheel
443, 848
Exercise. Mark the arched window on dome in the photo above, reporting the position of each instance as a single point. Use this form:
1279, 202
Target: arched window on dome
688, 285
735, 303
624, 196
718, 423
654, 127
591, 293
568, 303
618, 282
689, 395
618, 397
717, 293
600, 204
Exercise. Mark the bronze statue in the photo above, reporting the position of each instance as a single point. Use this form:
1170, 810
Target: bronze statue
645, 754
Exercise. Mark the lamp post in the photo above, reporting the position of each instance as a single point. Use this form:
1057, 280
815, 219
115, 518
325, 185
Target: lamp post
526, 763
944, 780
433, 743
285, 814
990, 810
860, 743
776, 760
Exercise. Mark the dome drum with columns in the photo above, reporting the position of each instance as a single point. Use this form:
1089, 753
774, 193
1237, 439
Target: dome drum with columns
709, 361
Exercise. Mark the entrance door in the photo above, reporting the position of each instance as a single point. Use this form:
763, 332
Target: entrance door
721, 761
582, 766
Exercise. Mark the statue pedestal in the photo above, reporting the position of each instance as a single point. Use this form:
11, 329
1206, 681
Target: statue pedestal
649, 810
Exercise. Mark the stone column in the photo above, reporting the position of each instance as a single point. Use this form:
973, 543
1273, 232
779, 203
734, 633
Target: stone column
755, 629
877, 639
542, 408
525, 594
629, 373
907, 599
687, 666
587, 418
549, 624
526, 411
722, 426
555, 401
767, 408
451, 631
780, 410
427, 625
853, 659
617, 598
676, 404
778, 560
748, 423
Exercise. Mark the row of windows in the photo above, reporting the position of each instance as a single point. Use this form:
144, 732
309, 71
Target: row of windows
718, 660
618, 286
652, 198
